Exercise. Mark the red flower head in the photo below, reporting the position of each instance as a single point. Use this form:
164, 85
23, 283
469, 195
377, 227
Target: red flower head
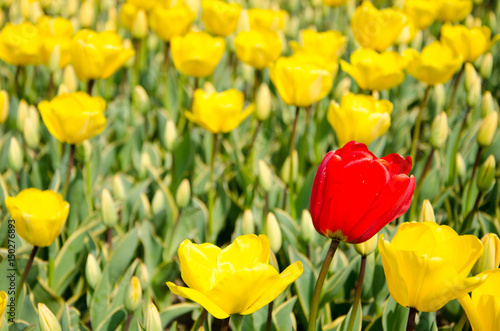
355, 194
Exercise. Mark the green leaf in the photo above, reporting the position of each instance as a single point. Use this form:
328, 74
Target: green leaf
175, 311
395, 316
283, 317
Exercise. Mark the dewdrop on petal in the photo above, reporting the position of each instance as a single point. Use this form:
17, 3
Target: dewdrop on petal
491, 255
183, 194
247, 222
153, 321
487, 104
263, 102
486, 175
486, 66
93, 272
273, 232
487, 129
265, 176
426, 212
16, 155
47, 321
133, 297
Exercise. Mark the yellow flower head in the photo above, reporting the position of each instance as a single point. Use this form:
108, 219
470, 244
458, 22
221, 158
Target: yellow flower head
486, 301
453, 10
302, 80
359, 117
328, 44
257, 47
470, 43
235, 280
426, 265
3, 304
422, 12
21, 44
375, 71
334, 3
143, 4
4, 106
134, 19
74, 117
377, 29
218, 112
98, 55
168, 22
220, 18
39, 215
435, 65
55, 31
267, 19
197, 53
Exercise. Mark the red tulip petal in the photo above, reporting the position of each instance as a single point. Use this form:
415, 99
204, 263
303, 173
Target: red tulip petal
398, 164
352, 147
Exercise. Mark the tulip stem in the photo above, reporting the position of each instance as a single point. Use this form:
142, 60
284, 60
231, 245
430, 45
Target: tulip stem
426, 169
256, 82
25, 272
71, 161
127, 323
89, 187
410, 326
313, 313
269, 316
90, 86
200, 321
471, 312
110, 238
211, 189
455, 88
166, 61
418, 123
292, 147
225, 324
357, 294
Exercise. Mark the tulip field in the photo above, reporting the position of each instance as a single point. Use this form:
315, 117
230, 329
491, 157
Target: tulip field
319, 165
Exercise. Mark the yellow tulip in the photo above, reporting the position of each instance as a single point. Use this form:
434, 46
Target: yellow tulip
377, 29
422, 12
218, 112
301, 80
334, 3
168, 22
143, 4
257, 47
486, 301
426, 265
220, 18
3, 304
375, 71
197, 53
134, 19
39, 215
359, 117
470, 43
328, 44
55, 31
20, 44
74, 117
267, 19
98, 55
4, 106
454, 10
235, 280
435, 65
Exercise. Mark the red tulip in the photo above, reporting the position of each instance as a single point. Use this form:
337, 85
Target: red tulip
355, 194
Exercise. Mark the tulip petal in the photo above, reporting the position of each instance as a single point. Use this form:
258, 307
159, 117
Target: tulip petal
395, 281
245, 252
462, 252
198, 264
200, 298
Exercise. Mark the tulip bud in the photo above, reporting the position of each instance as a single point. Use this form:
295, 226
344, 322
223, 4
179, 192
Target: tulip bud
427, 212
367, 247
127, 44
460, 165
492, 20
263, 102
285, 170
158, 202
265, 176
469, 21
145, 208
87, 14
342, 88
470, 76
31, 133
247, 222
16, 155
273, 261
141, 98
248, 72
70, 8
170, 135
25, 8
486, 174
22, 111
273, 232
134, 295
488, 104
474, 95
486, 66
55, 58
4, 106
63, 89
307, 229
108, 210
140, 26
153, 321
118, 188
144, 275
416, 42
183, 194
70, 79
439, 130
46, 320
491, 255
439, 96
487, 129
93, 272
144, 165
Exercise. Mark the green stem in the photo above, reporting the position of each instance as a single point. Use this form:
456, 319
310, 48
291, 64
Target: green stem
166, 62
89, 187
127, 324
256, 82
418, 123
225, 324
90, 86
71, 161
292, 147
200, 321
470, 310
357, 294
410, 326
25, 272
455, 88
110, 238
426, 169
269, 316
313, 313
211, 189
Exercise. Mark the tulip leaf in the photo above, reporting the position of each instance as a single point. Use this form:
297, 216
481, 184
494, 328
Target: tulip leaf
152, 245
289, 227
355, 313
306, 282
426, 322
335, 283
283, 317
174, 311
395, 316
113, 320
70, 319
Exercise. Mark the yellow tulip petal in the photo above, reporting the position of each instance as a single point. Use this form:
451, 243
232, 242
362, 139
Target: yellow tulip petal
197, 269
395, 281
246, 251
462, 252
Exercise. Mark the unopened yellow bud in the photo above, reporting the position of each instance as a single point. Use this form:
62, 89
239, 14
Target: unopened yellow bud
263, 102
247, 222
55, 58
31, 133
488, 104
460, 165
119, 191
183, 194
486, 174
265, 176
158, 203
63, 89
492, 20
46, 320
134, 295
25, 8
469, 21
140, 98
487, 129
144, 275
93, 272
367, 247
439, 96
491, 255
486, 66
140, 26
307, 229
22, 112
426, 212
108, 210
285, 170
16, 155
4, 106
87, 14
273, 232
342, 88
474, 94
248, 72
153, 322
70, 79
145, 207
470, 76
439, 130
70, 8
